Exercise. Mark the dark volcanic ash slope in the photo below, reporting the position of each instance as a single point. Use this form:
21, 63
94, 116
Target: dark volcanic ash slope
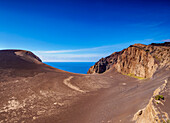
19, 63
31, 91
18, 59
138, 59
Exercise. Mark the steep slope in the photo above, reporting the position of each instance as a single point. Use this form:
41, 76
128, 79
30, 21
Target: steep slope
19, 63
137, 60
18, 59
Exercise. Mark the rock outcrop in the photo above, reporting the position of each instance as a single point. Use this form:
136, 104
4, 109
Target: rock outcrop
153, 113
137, 60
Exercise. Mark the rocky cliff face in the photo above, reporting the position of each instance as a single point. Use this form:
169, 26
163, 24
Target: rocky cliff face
138, 60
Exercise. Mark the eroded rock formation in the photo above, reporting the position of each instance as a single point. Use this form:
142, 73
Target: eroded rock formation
138, 60
153, 113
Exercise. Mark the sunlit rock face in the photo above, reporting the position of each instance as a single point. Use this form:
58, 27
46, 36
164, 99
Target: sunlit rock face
138, 59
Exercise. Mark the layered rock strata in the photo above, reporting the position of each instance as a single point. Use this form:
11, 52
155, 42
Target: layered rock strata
138, 60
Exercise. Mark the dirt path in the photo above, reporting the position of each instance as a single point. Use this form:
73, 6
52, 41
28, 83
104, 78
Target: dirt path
66, 82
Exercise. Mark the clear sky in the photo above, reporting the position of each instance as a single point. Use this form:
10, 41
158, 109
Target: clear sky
81, 30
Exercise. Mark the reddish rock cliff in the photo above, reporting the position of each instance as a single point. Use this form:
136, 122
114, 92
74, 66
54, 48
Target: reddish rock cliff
138, 59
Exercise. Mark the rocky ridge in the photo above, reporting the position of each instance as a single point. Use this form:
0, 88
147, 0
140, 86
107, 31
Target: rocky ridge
153, 112
137, 60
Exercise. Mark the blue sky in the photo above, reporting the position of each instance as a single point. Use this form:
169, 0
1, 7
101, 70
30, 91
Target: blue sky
81, 30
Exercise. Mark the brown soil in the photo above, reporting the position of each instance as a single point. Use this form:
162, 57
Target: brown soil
32, 91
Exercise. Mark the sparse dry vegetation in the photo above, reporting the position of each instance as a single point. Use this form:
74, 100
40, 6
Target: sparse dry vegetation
132, 75
158, 97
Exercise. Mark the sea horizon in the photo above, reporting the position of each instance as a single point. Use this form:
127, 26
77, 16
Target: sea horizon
74, 67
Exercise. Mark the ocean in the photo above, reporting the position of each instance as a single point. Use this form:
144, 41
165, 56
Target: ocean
74, 67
